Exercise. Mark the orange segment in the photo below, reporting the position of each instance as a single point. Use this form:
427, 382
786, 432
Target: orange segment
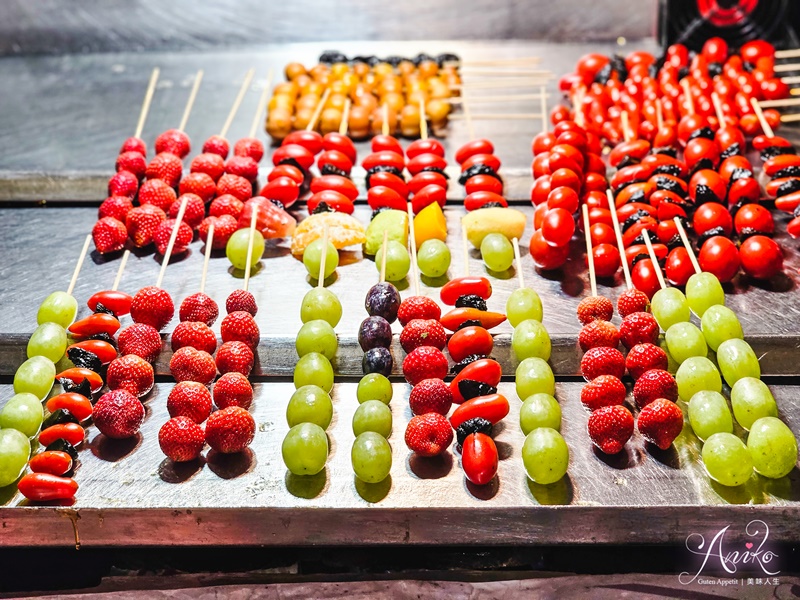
343, 231
430, 224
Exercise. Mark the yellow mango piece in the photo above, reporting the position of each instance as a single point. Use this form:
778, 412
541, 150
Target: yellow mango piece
497, 219
343, 231
430, 224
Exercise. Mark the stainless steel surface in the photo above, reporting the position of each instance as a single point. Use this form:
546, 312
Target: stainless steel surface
131, 495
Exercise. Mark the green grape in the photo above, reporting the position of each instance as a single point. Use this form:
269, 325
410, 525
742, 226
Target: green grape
709, 414
15, 451
530, 339
773, 447
669, 306
372, 457
48, 340
36, 375
372, 415
545, 455
751, 400
313, 369
22, 412
523, 304
719, 323
534, 376
497, 252
305, 449
321, 303
236, 250
703, 290
684, 340
397, 260
317, 336
309, 404
433, 258
59, 308
374, 386
697, 374
727, 459
539, 410
312, 256
736, 359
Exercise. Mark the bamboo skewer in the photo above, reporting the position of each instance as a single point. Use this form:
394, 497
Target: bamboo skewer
618, 234
190, 102
248, 78
248, 264
148, 98
318, 110
761, 119
589, 253
688, 245
207, 257
120, 270
654, 259
262, 103
171, 243
79, 264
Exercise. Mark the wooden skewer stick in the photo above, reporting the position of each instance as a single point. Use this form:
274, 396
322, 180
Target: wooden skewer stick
778, 103
793, 53
786, 67
324, 256
318, 110
465, 249
612, 208
543, 115
499, 61
589, 254
248, 78
148, 98
207, 257
687, 92
345, 116
791, 80
120, 270
385, 123
190, 102
499, 116
518, 258
659, 114
78, 266
522, 82
761, 119
412, 238
688, 245
654, 259
262, 102
718, 108
790, 118
171, 243
383, 254
487, 98
423, 120
627, 133
248, 263
506, 72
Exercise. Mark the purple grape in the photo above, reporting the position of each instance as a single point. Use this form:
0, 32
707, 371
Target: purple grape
377, 360
375, 332
383, 300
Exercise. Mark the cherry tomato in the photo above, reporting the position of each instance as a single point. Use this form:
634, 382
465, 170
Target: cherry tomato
335, 200
719, 256
778, 163
667, 230
793, 228
490, 160
563, 197
559, 113
541, 190
542, 142
283, 189
477, 200
102, 350
390, 180
678, 267
485, 370
423, 162
289, 171
493, 407
711, 216
310, 140
453, 319
725, 137
479, 458
558, 227
483, 183
428, 195
40, 487
774, 89
589, 65
470, 340
384, 158
51, 461
707, 185
606, 259
382, 143
761, 257
752, 51
341, 184
729, 166
428, 146
465, 286
114, 300
744, 189
545, 256
95, 324
295, 152
335, 158
480, 146
565, 177
644, 278
336, 142
76, 404
688, 125
420, 180
666, 137
78, 374
636, 149
71, 432
753, 217
379, 196
701, 150
715, 50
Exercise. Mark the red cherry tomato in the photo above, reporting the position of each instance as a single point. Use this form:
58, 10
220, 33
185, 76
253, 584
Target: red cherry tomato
752, 51
710, 216
753, 217
310, 140
565, 177
477, 200
644, 278
379, 196
563, 197
472, 148
389, 180
336, 142
701, 150
340, 184
743, 190
71, 432
545, 256
53, 462
95, 324
40, 487
719, 256
493, 407
428, 146
384, 158
559, 113
761, 257
335, 200
453, 319
483, 183
490, 160
542, 142
77, 374
289, 171
114, 300
78, 405
469, 340
296, 152
423, 162
283, 189
601, 233
688, 125
678, 267
335, 158
558, 227
382, 142
479, 458
420, 180
464, 286
715, 50
485, 370
428, 195
102, 350
606, 260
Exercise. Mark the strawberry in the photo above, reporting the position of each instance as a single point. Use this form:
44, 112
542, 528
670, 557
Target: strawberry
167, 167
235, 357
189, 364
652, 384
236, 186
181, 439
153, 306
230, 430
133, 162
429, 434
598, 333
430, 395
195, 334
643, 357
249, 147
118, 414
163, 232
211, 164
157, 193
199, 307
173, 141
142, 222
425, 362
140, 339
115, 206
610, 428
602, 361
189, 399
131, 373
134, 144
226, 205
423, 332
595, 307
660, 422
123, 183
200, 184
631, 301
233, 389
218, 145
638, 328
195, 210
224, 227
241, 300
605, 390
109, 235
240, 326
418, 307
243, 166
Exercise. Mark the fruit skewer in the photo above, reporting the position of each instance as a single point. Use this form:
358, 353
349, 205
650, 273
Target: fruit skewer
218, 144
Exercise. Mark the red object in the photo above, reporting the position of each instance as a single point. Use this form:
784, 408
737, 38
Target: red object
41, 487
109, 235
423, 162
470, 340
483, 183
336, 159
418, 307
118, 414
379, 196
335, 200
644, 278
643, 357
141, 223
453, 319
310, 140
300, 154
631, 301
181, 439
199, 307
233, 389
52, 462
598, 333
653, 384
79, 406
71, 432
428, 434
163, 233
660, 422
430, 395
423, 332
638, 328
173, 141
117, 301
464, 286
240, 326
340, 184
471, 148
188, 364
196, 334
753, 217
166, 167
610, 428
602, 361
141, 340
420, 180
384, 158
390, 180
79, 374
286, 191
235, 357
382, 143
761, 257
230, 430
479, 458
594, 307
340, 143
477, 200
720, 257
605, 390
104, 351
211, 164
189, 399
241, 300
485, 370
131, 373
152, 306
606, 259
493, 408
424, 362
545, 256
427, 196
678, 267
